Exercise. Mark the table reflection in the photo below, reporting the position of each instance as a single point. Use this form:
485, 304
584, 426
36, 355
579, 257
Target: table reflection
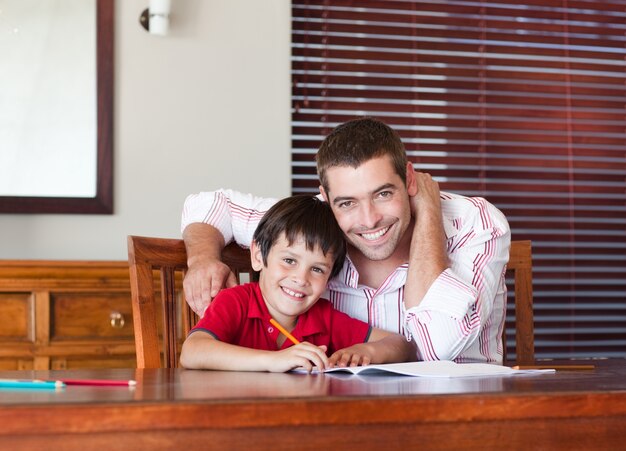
384, 384
198, 384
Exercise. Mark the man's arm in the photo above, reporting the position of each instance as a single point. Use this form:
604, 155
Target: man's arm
206, 274
210, 220
381, 347
447, 311
202, 351
428, 257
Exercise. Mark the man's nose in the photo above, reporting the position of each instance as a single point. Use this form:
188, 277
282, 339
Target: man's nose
369, 215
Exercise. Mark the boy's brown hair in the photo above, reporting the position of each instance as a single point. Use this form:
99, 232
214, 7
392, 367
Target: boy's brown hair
357, 141
302, 217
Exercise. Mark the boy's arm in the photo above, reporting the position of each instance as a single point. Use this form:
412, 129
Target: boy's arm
202, 351
381, 347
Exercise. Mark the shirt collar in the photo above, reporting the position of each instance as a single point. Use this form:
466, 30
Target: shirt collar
309, 323
257, 307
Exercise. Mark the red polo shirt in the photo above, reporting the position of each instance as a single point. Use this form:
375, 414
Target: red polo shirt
240, 316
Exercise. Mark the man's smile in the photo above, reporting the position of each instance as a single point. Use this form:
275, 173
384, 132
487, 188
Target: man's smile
372, 236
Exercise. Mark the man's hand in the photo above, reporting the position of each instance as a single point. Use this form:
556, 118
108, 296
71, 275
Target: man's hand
206, 274
427, 196
204, 280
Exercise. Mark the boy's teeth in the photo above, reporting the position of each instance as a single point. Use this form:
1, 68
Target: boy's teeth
373, 236
293, 293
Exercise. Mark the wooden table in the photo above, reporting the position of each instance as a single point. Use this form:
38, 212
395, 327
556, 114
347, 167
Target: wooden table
179, 409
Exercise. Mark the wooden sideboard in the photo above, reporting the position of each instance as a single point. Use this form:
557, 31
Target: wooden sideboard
65, 315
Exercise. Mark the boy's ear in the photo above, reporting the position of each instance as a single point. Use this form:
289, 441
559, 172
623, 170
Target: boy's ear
323, 193
255, 256
411, 184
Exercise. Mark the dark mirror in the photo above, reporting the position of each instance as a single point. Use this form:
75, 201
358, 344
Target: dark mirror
56, 127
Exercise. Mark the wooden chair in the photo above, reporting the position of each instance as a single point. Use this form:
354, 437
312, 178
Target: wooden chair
169, 257
520, 266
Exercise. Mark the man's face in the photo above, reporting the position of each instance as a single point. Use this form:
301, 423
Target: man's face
371, 204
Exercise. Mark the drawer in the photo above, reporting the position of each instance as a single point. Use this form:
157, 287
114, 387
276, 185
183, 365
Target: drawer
16, 313
90, 316
16, 364
82, 362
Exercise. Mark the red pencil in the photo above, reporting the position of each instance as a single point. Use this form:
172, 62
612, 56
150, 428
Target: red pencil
130, 383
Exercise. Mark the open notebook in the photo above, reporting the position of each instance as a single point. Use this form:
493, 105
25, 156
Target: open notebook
438, 368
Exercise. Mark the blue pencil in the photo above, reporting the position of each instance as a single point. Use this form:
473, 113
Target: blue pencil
30, 383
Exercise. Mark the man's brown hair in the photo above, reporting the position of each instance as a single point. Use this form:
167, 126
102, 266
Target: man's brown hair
302, 217
358, 141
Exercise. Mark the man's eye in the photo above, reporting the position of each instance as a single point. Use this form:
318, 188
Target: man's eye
346, 204
385, 194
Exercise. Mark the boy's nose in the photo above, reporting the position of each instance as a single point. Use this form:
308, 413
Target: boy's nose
299, 277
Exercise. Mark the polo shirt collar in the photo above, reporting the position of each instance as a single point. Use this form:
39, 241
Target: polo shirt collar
257, 307
309, 323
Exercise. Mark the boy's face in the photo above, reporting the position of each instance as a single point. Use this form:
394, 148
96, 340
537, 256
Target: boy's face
371, 204
293, 279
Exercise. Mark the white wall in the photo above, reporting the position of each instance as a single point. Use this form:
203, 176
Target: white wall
205, 107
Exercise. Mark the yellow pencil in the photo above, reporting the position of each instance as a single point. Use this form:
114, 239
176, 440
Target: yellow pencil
293, 339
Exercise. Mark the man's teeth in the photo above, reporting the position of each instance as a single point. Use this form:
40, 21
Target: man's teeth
293, 293
375, 235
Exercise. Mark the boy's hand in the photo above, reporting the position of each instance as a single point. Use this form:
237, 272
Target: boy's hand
304, 355
355, 355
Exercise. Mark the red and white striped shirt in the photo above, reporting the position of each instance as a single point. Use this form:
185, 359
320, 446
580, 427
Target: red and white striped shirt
462, 314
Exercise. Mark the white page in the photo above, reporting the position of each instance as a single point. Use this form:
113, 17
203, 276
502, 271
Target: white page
437, 368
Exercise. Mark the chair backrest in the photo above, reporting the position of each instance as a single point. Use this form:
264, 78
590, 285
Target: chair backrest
169, 258
521, 266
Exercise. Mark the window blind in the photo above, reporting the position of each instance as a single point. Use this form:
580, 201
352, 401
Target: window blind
521, 102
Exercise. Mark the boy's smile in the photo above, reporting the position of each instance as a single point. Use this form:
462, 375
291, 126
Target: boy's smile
293, 279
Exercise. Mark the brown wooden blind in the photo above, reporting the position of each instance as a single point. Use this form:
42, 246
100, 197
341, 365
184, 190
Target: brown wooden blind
521, 102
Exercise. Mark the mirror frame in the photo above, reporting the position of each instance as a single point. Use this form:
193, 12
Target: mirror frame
102, 203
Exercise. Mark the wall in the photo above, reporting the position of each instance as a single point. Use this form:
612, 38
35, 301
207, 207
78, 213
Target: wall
205, 107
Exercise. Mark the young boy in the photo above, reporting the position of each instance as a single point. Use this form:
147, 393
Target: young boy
297, 247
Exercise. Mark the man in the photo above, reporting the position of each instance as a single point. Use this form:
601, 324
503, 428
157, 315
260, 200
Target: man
426, 264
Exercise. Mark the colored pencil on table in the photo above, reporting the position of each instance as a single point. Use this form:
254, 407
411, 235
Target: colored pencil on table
283, 331
30, 383
101, 382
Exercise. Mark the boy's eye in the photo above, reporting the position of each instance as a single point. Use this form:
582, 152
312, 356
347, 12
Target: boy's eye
318, 270
289, 261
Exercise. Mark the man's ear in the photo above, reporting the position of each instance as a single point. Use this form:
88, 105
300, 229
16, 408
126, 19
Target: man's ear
411, 184
323, 193
255, 256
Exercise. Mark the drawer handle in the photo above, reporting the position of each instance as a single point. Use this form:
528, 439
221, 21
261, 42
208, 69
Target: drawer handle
117, 320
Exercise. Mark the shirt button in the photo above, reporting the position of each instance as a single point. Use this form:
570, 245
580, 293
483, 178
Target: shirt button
270, 329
